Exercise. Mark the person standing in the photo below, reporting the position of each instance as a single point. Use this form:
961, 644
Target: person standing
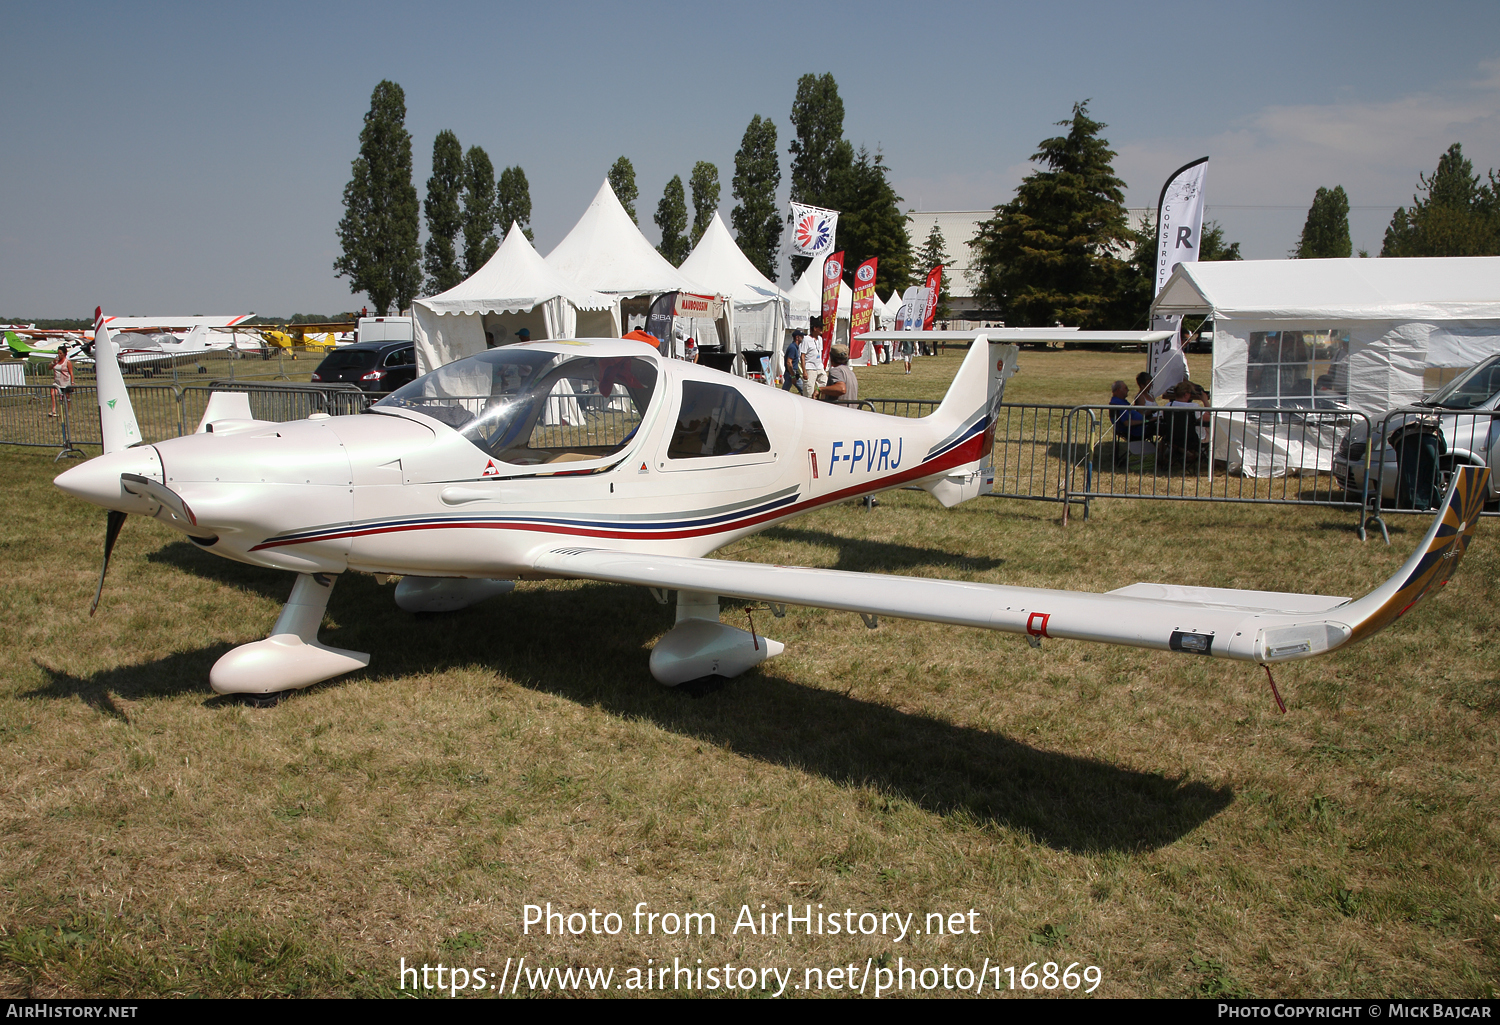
791, 358
814, 374
62, 378
842, 385
907, 348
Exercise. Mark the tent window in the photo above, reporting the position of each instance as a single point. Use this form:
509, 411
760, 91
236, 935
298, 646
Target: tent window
715, 420
1298, 369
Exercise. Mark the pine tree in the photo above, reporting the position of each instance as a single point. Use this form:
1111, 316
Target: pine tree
381, 222
480, 242
871, 222
671, 218
820, 153
1212, 247
622, 180
1325, 234
1048, 254
444, 217
934, 252
1457, 217
757, 175
705, 186
513, 202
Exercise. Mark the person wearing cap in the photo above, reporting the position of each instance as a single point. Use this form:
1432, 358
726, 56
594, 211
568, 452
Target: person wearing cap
842, 385
524, 334
791, 360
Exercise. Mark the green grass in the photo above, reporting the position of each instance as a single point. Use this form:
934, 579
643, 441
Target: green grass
1146, 813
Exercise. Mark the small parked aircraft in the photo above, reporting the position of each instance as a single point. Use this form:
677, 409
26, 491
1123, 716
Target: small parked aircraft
599, 459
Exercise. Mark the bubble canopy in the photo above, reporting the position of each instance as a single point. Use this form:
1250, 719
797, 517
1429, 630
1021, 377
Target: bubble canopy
528, 406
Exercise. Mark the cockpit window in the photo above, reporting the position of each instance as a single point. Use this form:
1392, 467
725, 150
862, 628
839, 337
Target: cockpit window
526, 406
715, 420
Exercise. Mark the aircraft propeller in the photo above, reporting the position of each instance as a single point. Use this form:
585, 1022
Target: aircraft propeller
113, 521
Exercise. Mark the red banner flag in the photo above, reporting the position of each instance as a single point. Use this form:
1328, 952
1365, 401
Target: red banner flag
934, 283
863, 307
833, 277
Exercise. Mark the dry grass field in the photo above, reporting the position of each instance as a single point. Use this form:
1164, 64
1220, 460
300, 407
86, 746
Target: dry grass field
1149, 814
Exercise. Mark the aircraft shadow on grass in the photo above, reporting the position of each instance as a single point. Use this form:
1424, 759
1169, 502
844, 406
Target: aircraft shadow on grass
589, 644
863, 555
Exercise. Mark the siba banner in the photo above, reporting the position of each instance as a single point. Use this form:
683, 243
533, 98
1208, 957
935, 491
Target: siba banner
934, 285
833, 277
812, 229
862, 309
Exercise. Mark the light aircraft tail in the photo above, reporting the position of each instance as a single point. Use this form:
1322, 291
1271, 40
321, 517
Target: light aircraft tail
17, 346
117, 421
971, 406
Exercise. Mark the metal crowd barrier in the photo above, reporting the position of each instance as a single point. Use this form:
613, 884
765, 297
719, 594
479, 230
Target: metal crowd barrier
1218, 454
1403, 473
161, 410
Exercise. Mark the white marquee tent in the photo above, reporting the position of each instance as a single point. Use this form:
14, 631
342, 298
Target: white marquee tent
1368, 334
718, 265
606, 252
808, 291
514, 289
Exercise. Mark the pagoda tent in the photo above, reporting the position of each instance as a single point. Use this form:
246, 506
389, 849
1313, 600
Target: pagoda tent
760, 308
607, 253
808, 291
1358, 334
515, 289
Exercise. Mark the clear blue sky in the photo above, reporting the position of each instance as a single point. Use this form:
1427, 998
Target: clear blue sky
191, 158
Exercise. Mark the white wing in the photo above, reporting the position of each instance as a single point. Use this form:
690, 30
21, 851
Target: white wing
1257, 626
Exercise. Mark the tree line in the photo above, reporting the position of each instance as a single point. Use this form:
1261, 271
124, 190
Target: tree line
1061, 250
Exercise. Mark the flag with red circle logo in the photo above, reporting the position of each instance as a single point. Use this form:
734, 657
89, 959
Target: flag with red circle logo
862, 307
833, 280
813, 229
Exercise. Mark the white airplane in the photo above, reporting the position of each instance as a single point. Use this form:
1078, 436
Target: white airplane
472, 477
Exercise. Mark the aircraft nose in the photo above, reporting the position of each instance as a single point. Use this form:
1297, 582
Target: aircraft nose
97, 481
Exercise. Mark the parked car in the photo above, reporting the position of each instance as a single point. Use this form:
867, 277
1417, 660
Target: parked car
1452, 426
373, 366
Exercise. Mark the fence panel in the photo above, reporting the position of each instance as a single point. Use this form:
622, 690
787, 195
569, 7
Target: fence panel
1220, 454
1412, 455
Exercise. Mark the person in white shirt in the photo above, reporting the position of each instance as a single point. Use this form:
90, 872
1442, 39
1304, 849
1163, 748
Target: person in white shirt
814, 374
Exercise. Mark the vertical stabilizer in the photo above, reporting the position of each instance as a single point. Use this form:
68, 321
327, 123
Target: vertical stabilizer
116, 417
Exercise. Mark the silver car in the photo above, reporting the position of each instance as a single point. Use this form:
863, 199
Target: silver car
1460, 417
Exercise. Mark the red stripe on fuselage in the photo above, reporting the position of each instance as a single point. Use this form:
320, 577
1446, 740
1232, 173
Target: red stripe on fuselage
965, 453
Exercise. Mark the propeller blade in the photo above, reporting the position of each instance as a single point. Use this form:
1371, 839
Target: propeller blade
113, 521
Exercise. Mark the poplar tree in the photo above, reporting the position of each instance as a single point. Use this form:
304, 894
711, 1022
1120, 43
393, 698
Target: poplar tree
820, 153
480, 242
705, 187
871, 222
671, 218
622, 180
444, 216
513, 202
1325, 233
379, 229
1049, 254
1457, 217
757, 175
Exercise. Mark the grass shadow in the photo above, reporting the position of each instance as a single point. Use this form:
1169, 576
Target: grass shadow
182, 672
869, 555
588, 643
